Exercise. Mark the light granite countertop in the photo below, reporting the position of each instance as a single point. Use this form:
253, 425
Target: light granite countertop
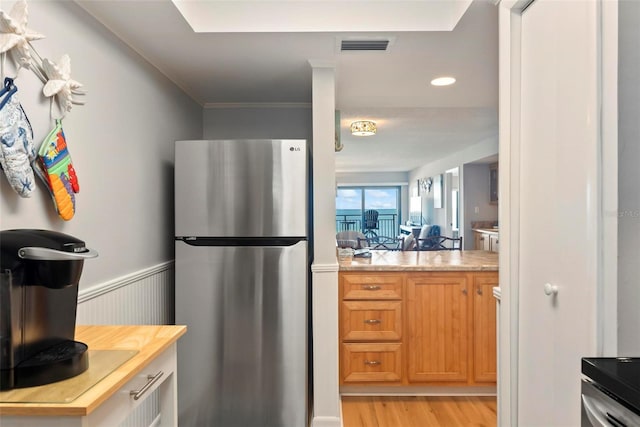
424, 261
488, 230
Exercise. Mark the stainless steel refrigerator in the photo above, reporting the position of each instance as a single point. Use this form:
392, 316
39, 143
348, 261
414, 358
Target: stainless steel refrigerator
242, 271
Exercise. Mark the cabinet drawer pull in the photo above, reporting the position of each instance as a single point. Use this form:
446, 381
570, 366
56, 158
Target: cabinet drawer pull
151, 380
372, 321
479, 291
372, 362
371, 287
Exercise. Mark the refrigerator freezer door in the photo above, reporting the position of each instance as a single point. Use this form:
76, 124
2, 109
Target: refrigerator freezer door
243, 361
241, 188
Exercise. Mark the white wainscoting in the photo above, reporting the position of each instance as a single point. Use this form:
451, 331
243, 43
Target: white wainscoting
141, 298
145, 297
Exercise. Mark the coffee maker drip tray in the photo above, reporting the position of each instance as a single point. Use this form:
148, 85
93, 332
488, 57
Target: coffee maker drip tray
101, 364
59, 362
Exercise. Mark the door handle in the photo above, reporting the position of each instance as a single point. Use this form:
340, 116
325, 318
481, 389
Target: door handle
550, 290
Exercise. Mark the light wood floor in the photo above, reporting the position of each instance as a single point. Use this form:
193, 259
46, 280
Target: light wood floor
418, 411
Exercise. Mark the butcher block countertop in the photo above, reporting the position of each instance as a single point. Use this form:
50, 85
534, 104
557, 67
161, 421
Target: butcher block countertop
144, 342
424, 261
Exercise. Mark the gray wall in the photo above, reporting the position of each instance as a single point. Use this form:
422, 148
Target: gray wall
433, 215
481, 150
629, 179
476, 194
271, 122
121, 143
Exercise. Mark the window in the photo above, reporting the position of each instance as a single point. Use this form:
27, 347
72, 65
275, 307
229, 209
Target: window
352, 202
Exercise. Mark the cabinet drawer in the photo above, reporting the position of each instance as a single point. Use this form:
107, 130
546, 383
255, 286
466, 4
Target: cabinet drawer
122, 403
371, 362
372, 286
371, 320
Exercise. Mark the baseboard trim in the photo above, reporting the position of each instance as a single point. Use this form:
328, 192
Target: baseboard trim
119, 282
417, 391
326, 422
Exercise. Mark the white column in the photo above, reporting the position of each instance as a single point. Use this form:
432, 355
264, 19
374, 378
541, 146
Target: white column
326, 410
608, 292
508, 214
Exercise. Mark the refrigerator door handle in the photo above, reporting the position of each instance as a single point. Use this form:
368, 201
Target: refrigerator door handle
241, 241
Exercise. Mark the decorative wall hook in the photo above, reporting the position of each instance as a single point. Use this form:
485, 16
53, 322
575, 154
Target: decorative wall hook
15, 36
15, 42
60, 84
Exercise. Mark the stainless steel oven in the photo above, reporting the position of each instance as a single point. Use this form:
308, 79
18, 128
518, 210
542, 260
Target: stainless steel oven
610, 392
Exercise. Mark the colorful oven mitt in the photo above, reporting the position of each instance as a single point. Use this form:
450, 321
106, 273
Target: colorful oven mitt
56, 170
16, 141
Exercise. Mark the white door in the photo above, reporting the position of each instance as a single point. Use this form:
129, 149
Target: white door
558, 206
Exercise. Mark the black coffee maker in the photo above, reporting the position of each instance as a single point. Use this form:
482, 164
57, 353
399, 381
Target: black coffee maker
39, 275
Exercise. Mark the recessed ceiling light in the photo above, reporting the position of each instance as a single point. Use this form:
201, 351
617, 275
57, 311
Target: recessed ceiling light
443, 81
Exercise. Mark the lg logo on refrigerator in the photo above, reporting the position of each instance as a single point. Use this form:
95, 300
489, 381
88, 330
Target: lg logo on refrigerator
294, 148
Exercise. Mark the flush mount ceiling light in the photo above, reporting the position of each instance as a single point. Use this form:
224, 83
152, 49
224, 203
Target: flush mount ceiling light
443, 81
363, 128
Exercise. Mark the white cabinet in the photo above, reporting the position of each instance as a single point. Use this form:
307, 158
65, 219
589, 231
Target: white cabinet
486, 240
113, 398
494, 243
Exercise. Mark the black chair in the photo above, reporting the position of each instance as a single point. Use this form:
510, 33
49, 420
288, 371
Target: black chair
370, 223
382, 243
439, 243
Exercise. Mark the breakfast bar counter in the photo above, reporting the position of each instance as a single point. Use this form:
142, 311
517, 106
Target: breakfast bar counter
418, 320
147, 362
423, 261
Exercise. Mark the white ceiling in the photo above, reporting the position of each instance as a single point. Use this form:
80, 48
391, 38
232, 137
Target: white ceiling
417, 123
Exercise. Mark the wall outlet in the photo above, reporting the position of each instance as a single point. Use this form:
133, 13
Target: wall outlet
476, 210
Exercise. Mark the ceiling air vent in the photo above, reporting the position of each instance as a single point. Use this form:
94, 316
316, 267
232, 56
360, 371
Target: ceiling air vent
364, 45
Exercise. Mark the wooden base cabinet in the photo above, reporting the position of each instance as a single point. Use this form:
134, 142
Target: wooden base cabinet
437, 328
371, 320
371, 327
371, 362
484, 328
417, 328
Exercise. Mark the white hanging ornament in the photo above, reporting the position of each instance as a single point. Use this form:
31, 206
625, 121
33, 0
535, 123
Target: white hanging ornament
60, 84
14, 34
